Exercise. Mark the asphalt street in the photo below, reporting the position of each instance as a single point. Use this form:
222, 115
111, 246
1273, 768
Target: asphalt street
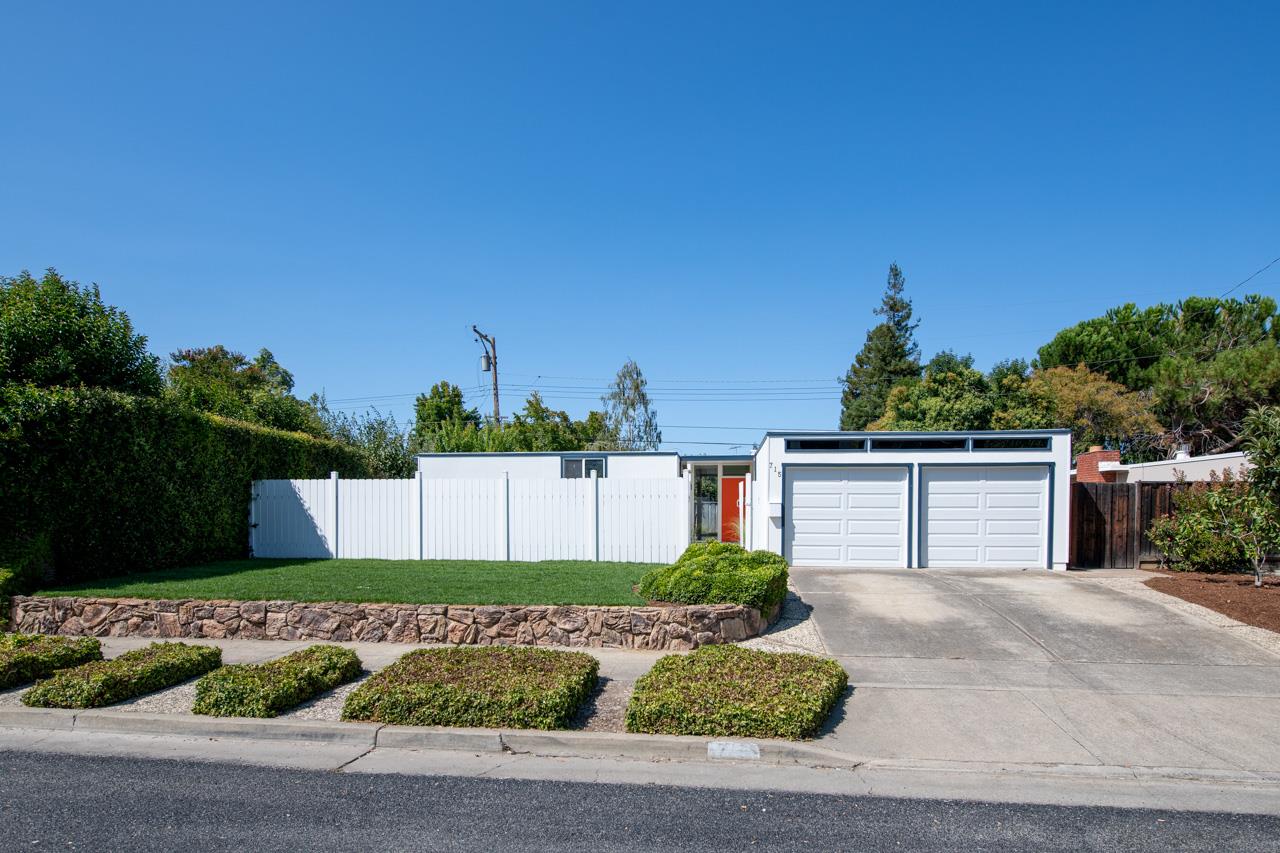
73, 802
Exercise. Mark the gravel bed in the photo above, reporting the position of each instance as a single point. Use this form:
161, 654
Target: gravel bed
178, 699
10, 698
327, 706
606, 709
792, 631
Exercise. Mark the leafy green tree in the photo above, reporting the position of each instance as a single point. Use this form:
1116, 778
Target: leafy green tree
889, 358
444, 404
218, 380
631, 423
1262, 444
53, 332
951, 396
535, 428
1095, 409
1205, 362
384, 443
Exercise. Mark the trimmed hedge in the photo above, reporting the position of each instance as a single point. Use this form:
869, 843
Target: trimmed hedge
729, 691
27, 657
105, 682
493, 686
266, 689
121, 484
720, 573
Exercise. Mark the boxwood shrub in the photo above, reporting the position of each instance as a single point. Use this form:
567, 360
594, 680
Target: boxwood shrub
104, 682
27, 657
266, 689
720, 573
120, 484
493, 686
731, 691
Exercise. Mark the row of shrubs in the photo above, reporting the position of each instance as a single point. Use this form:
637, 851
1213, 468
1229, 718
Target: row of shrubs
722, 691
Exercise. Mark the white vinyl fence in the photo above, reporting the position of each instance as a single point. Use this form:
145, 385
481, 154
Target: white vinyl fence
638, 520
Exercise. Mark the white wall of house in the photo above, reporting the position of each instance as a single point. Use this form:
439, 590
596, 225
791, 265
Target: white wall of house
1007, 476
620, 465
1195, 468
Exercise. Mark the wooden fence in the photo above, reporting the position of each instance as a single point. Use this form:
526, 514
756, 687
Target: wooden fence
1110, 523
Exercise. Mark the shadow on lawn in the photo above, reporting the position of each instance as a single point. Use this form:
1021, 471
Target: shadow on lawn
204, 571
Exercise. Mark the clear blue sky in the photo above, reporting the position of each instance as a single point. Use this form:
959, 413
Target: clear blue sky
712, 189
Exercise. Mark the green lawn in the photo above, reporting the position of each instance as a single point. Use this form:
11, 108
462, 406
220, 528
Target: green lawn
389, 581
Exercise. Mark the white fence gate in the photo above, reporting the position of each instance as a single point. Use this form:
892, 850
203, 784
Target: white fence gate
635, 520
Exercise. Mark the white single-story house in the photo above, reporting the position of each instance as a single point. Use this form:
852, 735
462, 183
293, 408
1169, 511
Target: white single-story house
1104, 466
848, 499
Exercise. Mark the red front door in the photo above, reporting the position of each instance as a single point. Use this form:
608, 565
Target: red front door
730, 513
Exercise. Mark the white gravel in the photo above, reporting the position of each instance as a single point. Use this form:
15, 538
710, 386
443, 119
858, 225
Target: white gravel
326, 706
12, 697
792, 631
172, 700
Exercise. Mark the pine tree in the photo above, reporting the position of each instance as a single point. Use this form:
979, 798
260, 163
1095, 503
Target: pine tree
888, 358
630, 422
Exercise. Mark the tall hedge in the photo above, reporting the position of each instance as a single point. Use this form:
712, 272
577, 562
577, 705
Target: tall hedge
116, 483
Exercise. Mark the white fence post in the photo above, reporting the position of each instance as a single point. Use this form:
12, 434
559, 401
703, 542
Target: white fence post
419, 552
595, 516
506, 516
333, 520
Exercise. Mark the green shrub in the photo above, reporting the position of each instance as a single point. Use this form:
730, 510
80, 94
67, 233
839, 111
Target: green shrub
266, 689
27, 657
1224, 525
121, 484
105, 682
720, 573
730, 691
493, 686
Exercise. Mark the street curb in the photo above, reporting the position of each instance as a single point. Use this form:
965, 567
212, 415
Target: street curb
308, 731
522, 741
23, 717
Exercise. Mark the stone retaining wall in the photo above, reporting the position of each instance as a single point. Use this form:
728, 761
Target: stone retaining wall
674, 628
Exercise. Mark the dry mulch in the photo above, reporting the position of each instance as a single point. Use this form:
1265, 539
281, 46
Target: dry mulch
1231, 595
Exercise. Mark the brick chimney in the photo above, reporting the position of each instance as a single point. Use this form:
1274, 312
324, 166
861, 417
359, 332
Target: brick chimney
1087, 465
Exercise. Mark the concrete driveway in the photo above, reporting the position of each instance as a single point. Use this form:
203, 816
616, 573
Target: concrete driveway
1041, 668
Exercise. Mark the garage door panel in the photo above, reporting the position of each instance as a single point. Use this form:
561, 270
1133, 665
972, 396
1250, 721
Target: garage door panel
984, 516
834, 501
819, 525
998, 500
866, 524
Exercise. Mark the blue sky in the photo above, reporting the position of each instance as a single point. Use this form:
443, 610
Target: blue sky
712, 189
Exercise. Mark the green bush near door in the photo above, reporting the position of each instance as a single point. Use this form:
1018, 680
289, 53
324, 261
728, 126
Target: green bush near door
720, 573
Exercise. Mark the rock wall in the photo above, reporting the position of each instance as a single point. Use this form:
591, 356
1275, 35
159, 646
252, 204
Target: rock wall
672, 628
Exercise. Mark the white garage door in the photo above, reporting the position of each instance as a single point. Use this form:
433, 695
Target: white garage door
985, 516
850, 516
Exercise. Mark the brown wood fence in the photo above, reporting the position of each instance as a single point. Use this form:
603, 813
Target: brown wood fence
1110, 523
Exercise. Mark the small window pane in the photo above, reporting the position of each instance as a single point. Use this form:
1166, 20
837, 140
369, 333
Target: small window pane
1011, 444
737, 470
917, 444
590, 465
573, 469
825, 444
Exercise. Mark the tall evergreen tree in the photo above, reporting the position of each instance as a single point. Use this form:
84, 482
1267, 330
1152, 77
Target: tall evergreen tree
630, 422
889, 357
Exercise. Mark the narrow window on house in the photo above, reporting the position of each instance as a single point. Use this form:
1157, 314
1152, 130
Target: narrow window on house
918, 443
574, 469
1035, 443
826, 444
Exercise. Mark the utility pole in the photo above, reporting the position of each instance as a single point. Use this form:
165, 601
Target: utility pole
489, 363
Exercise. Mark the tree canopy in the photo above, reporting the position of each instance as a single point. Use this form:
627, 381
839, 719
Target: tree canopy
53, 332
218, 380
630, 422
889, 358
1205, 362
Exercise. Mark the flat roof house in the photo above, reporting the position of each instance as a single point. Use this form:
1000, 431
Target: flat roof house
849, 499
